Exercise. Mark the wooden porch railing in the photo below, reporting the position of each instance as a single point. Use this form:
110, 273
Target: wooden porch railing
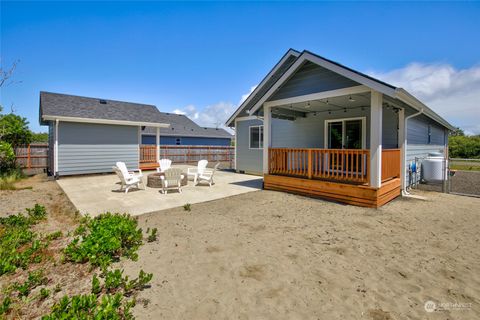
390, 164
350, 165
148, 153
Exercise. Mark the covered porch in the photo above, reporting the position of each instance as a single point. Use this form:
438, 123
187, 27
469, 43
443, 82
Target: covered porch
344, 146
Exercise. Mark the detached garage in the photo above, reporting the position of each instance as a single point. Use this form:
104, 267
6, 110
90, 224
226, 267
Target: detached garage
88, 135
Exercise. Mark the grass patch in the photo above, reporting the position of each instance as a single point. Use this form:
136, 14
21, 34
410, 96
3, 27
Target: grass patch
8, 180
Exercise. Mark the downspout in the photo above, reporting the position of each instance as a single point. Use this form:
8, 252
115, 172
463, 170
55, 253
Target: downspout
405, 193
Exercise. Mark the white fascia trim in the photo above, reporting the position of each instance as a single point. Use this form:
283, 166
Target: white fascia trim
327, 65
289, 53
404, 96
318, 96
248, 118
106, 121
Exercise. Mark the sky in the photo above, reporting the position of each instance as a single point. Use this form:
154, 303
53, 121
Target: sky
204, 58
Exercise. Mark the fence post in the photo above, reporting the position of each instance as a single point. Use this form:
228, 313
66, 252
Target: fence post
28, 157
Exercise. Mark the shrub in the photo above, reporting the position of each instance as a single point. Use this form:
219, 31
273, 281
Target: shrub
34, 279
44, 293
88, 306
152, 235
7, 157
187, 207
5, 306
20, 246
104, 239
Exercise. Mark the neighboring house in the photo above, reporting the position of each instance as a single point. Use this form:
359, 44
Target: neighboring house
183, 131
315, 127
88, 135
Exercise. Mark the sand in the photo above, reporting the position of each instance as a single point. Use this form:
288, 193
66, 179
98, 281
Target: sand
271, 255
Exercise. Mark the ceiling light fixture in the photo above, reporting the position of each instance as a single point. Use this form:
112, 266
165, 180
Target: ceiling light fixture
308, 105
351, 99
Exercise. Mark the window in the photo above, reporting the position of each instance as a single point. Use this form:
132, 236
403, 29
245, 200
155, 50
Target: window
429, 134
178, 141
256, 137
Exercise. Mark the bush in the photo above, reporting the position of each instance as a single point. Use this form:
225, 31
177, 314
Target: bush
20, 246
88, 306
98, 306
105, 239
467, 147
7, 158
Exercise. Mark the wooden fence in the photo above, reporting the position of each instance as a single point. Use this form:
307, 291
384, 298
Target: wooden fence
188, 154
32, 156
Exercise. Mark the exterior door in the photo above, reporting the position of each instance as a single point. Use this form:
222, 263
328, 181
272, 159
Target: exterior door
345, 134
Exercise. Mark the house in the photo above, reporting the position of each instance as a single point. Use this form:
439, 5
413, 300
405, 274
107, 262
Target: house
318, 128
183, 131
88, 135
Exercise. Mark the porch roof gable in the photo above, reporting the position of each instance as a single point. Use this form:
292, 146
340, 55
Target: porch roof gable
356, 76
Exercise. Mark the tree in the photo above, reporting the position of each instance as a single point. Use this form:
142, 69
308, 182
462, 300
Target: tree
40, 137
457, 132
14, 130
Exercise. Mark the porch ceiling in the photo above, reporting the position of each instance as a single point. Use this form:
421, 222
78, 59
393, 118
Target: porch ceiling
335, 103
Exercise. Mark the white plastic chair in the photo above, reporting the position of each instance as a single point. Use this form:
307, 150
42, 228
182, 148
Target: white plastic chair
123, 167
128, 180
172, 179
194, 172
164, 165
207, 175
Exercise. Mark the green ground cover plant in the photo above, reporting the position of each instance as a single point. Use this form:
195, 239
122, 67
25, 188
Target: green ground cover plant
19, 245
104, 239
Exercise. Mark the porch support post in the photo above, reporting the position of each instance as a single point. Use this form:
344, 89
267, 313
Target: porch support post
267, 119
376, 139
139, 140
157, 142
55, 150
401, 145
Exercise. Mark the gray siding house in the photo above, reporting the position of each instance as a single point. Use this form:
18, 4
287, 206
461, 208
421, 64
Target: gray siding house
184, 131
88, 135
317, 121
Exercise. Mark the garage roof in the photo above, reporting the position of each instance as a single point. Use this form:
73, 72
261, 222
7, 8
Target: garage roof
66, 107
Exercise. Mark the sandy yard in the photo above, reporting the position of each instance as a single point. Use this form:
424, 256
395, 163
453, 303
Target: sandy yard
270, 255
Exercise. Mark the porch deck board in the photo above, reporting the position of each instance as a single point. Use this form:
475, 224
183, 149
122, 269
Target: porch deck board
359, 195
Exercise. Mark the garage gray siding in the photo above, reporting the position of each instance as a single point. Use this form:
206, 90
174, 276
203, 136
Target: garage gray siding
248, 160
94, 148
311, 78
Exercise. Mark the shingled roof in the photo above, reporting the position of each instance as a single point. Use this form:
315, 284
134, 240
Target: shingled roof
70, 106
182, 126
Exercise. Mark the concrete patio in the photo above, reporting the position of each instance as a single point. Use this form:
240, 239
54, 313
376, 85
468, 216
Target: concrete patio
95, 194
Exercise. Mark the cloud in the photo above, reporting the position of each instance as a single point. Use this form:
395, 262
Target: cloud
245, 96
453, 93
214, 115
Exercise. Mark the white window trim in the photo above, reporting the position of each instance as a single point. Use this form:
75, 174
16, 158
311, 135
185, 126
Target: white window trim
364, 130
259, 139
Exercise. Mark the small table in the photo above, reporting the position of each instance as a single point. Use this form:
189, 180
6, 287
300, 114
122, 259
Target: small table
154, 180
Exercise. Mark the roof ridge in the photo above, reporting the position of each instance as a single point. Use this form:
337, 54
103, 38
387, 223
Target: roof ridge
96, 98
